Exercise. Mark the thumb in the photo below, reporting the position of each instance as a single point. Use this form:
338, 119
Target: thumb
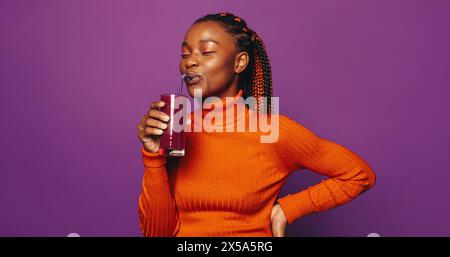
278, 230
275, 232
282, 230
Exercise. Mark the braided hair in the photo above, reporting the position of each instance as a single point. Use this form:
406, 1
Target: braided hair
256, 79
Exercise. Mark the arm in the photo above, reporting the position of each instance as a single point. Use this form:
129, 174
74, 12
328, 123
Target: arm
348, 174
158, 216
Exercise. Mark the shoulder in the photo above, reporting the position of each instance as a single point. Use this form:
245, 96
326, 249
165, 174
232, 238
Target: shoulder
285, 122
282, 128
295, 142
276, 117
292, 129
281, 121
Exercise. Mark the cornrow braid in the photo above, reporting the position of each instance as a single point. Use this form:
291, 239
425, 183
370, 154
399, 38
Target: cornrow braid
256, 79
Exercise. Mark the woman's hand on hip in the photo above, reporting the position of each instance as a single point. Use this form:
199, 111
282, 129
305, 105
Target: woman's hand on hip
278, 221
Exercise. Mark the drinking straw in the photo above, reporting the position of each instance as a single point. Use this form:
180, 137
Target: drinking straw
180, 89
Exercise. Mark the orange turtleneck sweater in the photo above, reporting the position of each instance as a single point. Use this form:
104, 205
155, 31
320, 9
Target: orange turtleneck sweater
227, 182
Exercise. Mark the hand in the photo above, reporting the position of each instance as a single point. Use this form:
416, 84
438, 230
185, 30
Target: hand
278, 221
151, 127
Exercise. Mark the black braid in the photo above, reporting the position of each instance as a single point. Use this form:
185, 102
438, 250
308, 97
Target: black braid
256, 79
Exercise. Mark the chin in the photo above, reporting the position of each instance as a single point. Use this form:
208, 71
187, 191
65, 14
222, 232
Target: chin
195, 87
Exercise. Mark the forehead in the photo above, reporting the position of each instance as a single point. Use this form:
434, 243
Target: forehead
208, 30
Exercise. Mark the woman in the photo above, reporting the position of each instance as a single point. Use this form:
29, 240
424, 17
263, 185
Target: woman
227, 183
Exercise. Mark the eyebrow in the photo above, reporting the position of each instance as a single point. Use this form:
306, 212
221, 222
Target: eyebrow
202, 41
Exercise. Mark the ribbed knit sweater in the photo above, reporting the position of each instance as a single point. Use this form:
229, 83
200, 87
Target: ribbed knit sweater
227, 182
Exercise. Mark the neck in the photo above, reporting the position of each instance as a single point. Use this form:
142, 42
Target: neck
228, 112
230, 92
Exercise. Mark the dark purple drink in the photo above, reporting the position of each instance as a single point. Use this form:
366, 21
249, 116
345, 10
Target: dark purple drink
173, 139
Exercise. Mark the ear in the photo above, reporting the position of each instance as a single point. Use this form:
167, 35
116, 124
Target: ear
241, 62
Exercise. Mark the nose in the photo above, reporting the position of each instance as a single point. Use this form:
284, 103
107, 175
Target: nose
191, 61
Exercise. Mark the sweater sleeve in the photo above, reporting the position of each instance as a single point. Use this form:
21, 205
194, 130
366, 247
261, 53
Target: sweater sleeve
158, 216
348, 174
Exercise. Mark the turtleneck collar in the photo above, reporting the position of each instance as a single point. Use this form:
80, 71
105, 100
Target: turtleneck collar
212, 103
211, 107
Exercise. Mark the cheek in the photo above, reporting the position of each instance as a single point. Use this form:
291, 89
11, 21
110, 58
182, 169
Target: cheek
219, 72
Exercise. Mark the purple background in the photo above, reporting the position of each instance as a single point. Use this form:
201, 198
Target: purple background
77, 76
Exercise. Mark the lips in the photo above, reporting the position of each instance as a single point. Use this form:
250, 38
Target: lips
192, 78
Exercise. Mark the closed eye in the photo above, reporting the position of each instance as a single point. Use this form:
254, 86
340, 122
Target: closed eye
204, 53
